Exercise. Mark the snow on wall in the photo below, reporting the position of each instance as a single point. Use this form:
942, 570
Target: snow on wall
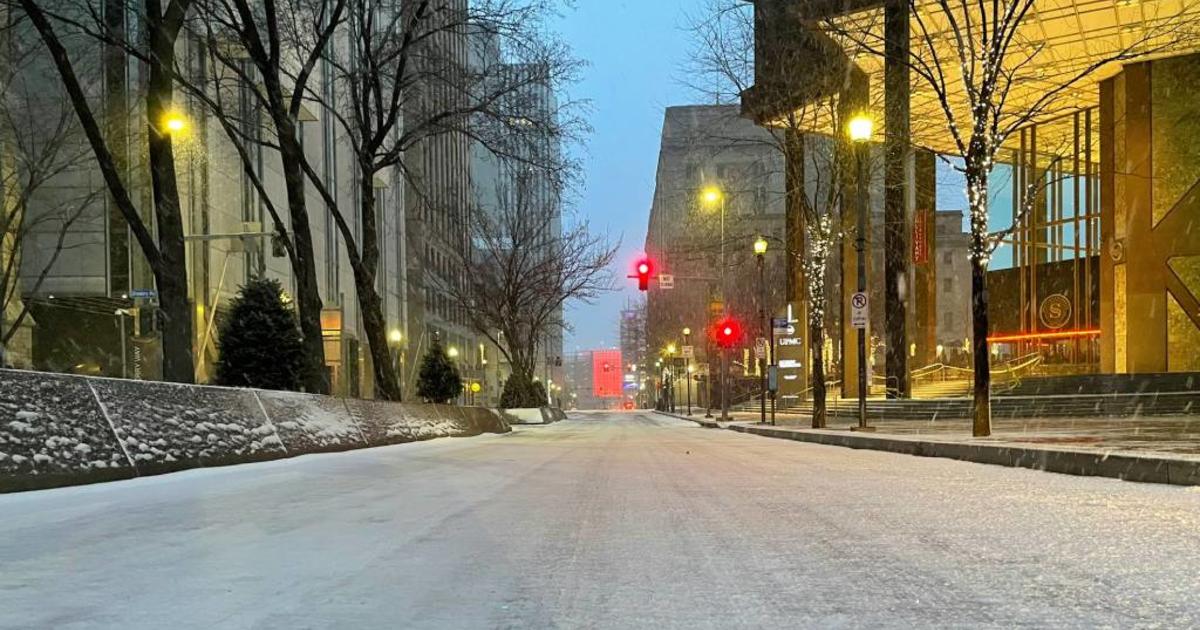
309, 423
390, 423
61, 430
51, 424
165, 424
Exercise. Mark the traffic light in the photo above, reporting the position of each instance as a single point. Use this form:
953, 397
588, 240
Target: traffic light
728, 332
644, 269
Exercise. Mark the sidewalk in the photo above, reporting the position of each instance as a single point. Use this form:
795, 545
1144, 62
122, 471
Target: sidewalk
1159, 450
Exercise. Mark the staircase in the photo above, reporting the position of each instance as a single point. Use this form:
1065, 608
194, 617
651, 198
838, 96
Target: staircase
1085, 396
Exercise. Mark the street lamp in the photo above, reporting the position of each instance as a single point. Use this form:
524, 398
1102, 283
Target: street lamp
394, 339
452, 352
713, 196
670, 371
860, 129
760, 253
687, 363
174, 122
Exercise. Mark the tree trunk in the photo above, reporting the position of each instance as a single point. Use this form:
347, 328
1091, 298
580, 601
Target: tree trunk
387, 386
817, 344
308, 298
171, 273
977, 195
982, 426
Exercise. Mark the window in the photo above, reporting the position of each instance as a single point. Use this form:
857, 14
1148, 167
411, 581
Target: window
948, 285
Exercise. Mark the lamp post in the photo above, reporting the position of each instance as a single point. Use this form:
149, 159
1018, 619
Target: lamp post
760, 252
671, 349
662, 386
687, 369
860, 129
714, 196
395, 337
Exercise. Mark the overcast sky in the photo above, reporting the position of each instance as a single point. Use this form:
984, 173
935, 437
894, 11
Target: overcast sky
635, 49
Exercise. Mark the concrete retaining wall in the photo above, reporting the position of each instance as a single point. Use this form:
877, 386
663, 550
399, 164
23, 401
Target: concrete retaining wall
63, 430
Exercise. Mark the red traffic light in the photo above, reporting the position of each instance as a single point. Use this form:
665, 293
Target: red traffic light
728, 332
644, 269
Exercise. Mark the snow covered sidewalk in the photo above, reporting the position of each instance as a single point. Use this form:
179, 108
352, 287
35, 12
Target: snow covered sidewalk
1128, 450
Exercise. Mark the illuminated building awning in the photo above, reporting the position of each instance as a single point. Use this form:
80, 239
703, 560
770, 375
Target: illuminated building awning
1056, 42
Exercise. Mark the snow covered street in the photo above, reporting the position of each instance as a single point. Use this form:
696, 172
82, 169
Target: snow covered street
602, 521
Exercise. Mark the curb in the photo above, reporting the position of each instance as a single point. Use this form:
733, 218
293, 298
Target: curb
700, 420
1142, 468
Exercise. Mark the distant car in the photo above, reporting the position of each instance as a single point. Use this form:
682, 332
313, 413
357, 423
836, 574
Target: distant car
628, 405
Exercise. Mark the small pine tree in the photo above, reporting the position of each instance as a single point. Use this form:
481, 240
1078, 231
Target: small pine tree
438, 381
260, 342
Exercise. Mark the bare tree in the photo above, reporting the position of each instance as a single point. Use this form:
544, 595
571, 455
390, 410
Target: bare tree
522, 269
40, 139
402, 77
283, 42
162, 246
978, 62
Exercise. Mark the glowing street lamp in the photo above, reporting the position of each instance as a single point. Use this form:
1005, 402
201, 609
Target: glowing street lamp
174, 123
760, 252
711, 196
395, 336
861, 128
452, 352
760, 247
687, 361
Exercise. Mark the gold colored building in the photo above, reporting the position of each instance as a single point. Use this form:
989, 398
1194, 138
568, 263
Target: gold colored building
1102, 262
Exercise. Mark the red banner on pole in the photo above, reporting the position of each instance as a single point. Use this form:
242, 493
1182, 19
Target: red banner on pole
920, 237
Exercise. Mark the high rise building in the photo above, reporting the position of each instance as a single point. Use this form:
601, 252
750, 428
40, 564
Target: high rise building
96, 309
712, 147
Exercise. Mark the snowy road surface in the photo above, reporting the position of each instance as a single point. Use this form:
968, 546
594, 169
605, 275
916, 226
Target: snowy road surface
606, 521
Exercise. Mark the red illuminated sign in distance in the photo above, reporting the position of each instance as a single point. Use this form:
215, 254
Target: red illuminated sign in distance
608, 379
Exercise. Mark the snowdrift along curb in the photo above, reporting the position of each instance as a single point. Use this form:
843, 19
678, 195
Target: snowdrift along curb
60, 430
